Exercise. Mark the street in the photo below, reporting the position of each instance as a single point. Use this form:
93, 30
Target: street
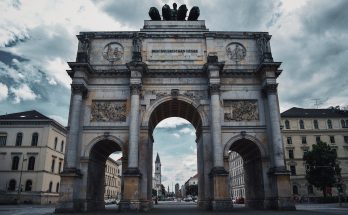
184, 208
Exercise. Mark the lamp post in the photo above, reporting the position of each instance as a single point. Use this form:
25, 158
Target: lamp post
20, 180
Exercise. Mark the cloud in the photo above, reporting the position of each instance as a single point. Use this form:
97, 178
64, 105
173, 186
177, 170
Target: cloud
172, 122
3, 91
176, 135
23, 93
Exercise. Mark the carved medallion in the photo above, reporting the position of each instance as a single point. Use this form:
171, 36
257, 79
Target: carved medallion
108, 111
113, 52
236, 52
241, 110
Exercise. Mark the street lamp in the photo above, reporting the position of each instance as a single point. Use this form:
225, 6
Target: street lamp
20, 180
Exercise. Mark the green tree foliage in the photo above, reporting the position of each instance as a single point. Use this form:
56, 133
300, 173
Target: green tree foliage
154, 192
321, 164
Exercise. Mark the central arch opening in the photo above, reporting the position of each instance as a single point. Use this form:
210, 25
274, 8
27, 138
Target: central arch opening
175, 130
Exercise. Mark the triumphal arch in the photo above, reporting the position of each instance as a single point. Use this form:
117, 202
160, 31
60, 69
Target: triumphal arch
125, 82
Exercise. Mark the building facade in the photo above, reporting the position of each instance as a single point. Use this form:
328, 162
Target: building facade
236, 176
32, 148
113, 174
157, 179
302, 128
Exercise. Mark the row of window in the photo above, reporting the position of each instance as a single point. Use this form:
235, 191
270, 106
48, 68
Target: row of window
344, 124
295, 189
317, 139
31, 163
34, 140
12, 185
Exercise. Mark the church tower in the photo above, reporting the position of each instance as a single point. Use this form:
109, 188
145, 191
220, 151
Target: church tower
158, 171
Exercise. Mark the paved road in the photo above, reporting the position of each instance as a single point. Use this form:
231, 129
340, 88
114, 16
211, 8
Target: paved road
184, 208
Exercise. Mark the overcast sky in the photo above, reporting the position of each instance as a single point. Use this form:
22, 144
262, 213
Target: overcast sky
37, 38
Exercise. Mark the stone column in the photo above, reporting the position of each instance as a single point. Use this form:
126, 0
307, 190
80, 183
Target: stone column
218, 174
216, 124
77, 93
134, 127
274, 115
279, 176
69, 200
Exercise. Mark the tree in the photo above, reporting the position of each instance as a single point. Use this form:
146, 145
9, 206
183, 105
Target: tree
154, 192
192, 190
321, 165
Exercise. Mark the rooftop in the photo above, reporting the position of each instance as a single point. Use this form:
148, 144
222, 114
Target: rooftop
32, 114
314, 113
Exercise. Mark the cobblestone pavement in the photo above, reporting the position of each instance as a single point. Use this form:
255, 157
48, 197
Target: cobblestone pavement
183, 208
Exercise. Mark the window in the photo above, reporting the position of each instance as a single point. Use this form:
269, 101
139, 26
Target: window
62, 146
345, 139
59, 166
3, 138
315, 123
55, 143
34, 139
310, 189
31, 163
50, 187
317, 139
305, 151
295, 190
12, 185
291, 154
332, 139
53, 164
289, 140
287, 124
28, 185
57, 188
304, 139
329, 123
15, 162
301, 124
19, 139
293, 170
343, 123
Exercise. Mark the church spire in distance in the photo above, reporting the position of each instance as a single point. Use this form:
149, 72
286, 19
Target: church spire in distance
157, 159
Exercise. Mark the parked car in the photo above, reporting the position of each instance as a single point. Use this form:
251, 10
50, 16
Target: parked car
240, 200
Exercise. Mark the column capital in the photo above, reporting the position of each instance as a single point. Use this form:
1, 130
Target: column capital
214, 89
135, 89
79, 89
270, 88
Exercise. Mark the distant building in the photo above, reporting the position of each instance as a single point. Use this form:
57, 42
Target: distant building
177, 190
191, 181
32, 148
236, 176
157, 180
113, 171
303, 128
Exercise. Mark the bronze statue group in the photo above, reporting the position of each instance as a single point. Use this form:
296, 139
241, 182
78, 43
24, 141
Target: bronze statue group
174, 14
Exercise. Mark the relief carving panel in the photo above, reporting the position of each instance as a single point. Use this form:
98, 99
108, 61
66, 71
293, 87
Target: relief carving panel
241, 110
109, 111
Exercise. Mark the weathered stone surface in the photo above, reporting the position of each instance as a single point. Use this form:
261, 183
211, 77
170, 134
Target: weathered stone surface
163, 71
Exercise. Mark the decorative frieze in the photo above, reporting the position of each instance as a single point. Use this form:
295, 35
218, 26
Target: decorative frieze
241, 110
108, 111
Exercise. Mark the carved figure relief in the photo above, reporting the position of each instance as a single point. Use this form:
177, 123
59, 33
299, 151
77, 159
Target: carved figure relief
108, 111
236, 52
113, 52
241, 110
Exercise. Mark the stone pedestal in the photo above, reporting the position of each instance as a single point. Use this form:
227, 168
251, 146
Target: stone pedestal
221, 199
281, 182
131, 193
68, 200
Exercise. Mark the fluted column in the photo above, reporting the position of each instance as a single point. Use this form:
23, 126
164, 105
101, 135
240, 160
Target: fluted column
277, 145
216, 124
77, 93
134, 126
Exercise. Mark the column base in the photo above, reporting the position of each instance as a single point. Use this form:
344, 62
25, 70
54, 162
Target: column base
204, 204
222, 205
282, 199
70, 186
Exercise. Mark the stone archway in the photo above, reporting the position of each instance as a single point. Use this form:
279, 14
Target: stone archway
251, 154
95, 172
183, 108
